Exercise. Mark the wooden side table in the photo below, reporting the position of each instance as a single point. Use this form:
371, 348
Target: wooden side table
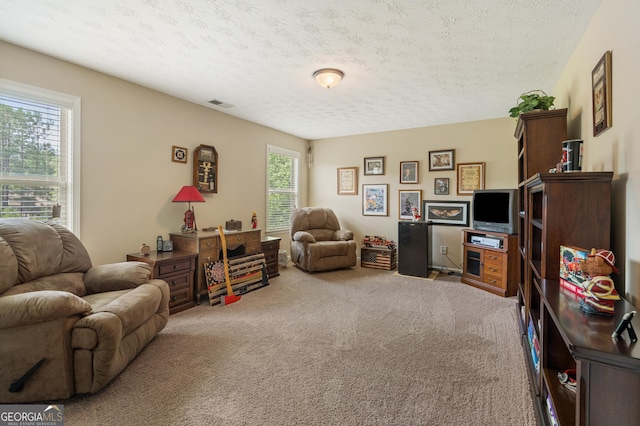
177, 268
270, 247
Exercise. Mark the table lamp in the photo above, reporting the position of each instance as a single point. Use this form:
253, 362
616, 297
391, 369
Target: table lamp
189, 194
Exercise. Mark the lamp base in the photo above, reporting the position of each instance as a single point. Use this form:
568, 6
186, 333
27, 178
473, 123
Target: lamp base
189, 221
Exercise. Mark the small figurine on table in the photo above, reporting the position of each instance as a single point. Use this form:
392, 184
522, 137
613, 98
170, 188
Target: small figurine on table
414, 213
254, 220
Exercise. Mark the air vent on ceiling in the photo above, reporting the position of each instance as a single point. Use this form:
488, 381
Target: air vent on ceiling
220, 103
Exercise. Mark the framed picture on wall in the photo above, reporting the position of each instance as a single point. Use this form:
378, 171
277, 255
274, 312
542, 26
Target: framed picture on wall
454, 213
178, 154
408, 172
601, 83
442, 160
374, 166
470, 177
375, 199
348, 181
441, 186
408, 200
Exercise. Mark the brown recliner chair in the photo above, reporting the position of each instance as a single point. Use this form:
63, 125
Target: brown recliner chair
76, 326
318, 243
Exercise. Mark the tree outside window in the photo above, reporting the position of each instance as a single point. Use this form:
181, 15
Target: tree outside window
282, 187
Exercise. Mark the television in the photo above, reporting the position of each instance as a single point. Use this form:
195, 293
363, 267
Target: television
495, 210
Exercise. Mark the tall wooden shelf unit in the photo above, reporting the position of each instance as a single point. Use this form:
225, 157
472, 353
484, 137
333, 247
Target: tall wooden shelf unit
567, 209
540, 135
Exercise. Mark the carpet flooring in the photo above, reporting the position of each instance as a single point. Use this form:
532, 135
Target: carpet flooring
350, 347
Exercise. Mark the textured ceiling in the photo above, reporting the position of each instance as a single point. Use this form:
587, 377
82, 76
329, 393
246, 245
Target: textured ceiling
407, 63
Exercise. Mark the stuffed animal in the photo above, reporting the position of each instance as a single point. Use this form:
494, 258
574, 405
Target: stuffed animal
600, 292
599, 263
414, 213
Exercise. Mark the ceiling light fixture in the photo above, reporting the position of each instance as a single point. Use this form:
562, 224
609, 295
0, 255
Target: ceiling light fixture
328, 77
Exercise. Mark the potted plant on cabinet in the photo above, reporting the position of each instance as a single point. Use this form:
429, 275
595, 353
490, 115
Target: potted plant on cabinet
530, 101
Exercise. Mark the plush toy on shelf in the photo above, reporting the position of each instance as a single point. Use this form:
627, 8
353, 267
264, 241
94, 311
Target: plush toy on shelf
599, 291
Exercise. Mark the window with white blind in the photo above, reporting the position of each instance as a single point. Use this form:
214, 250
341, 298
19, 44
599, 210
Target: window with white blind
39, 154
282, 186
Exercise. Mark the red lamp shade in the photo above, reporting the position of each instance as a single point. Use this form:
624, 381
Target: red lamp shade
189, 194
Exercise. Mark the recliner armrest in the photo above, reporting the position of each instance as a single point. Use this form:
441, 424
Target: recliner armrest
116, 276
304, 236
343, 235
40, 306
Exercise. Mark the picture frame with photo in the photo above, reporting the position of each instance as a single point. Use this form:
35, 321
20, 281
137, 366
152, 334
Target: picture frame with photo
374, 166
451, 213
441, 186
347, 181
442, 160
601, 94
375, 199
409, 171
408, 199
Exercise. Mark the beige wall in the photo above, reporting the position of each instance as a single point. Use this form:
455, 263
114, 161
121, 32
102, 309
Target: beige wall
128, 180
488, 141
127, 176
614, 27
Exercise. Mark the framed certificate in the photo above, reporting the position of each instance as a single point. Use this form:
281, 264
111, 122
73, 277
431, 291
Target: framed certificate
470, 177
348, 181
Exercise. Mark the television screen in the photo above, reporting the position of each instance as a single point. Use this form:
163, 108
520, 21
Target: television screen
492, 207
495, 210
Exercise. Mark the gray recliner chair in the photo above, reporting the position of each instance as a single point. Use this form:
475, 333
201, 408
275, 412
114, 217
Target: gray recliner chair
318, 243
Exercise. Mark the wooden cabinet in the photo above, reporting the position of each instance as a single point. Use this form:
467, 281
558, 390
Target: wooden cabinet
539, 135
491, 265
177, 268
607, 370
571, 209
270, 247
206, 245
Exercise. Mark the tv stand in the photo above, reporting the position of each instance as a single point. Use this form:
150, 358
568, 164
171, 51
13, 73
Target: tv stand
491, 261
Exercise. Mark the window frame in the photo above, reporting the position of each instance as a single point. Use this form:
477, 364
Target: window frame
273, 149
74, 105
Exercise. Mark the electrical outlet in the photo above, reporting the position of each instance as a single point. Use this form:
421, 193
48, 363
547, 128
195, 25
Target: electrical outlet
443, 249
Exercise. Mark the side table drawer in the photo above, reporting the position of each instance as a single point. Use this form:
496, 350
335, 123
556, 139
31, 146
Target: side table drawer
179, 297
177, 269
170, 268
270, 256
270, 246
178, 281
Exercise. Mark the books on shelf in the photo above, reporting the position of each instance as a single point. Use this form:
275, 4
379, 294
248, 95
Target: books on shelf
534, 345
576, 289
570, 264
553, 420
